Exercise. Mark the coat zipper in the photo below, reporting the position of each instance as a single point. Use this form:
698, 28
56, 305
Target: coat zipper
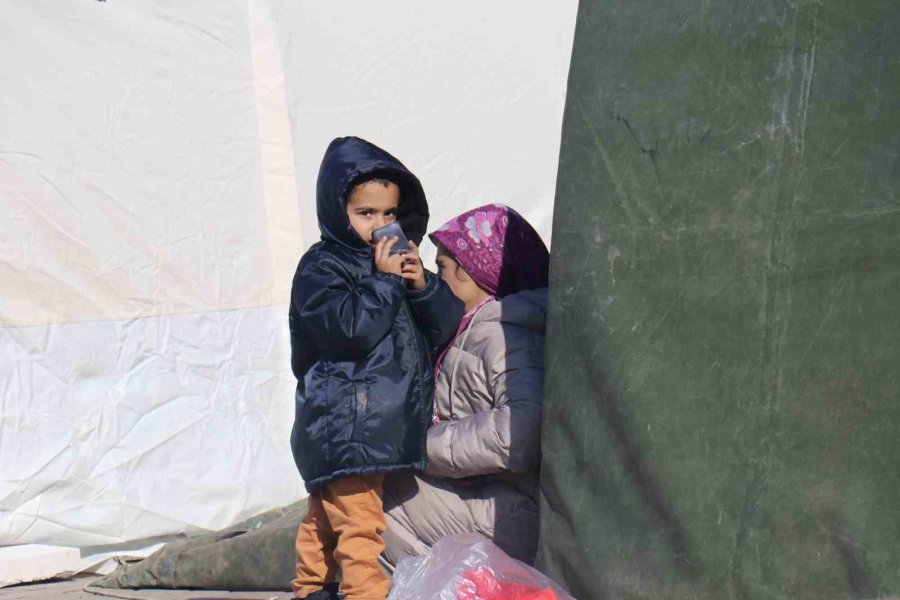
425, 417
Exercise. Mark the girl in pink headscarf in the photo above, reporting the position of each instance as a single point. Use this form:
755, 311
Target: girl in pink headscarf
484, 448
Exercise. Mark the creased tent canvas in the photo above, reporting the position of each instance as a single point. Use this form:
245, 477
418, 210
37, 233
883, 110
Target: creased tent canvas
157, 166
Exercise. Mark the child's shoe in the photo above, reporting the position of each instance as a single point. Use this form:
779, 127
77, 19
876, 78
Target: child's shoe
320, 595
329, 592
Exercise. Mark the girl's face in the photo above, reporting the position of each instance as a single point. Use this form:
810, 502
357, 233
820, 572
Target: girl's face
459, 282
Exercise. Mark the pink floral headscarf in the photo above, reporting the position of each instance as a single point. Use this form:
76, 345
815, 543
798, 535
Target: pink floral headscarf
498, 248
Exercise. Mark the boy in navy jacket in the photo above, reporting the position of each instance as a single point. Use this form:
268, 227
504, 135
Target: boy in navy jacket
362, 323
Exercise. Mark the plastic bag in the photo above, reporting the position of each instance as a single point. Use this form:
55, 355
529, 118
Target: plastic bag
470, 567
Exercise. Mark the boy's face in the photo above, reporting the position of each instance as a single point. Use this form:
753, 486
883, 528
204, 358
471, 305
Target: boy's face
371, 205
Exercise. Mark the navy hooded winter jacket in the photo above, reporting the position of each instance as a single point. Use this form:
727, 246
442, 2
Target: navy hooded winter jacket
360, 339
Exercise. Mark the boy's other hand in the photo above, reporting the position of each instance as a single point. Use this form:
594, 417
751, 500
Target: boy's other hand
386, 263
413, 271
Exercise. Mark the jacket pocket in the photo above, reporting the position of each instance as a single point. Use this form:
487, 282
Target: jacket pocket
360, 411
347, 409
310, 434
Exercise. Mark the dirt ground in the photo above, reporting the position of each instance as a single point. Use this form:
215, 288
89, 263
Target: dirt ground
74, 590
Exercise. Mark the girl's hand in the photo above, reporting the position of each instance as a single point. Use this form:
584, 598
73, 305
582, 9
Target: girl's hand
413, 271
386, 263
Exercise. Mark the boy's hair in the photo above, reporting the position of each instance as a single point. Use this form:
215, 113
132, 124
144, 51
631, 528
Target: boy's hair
372, 178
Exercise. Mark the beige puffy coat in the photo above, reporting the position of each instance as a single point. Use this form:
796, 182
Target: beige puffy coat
484, 454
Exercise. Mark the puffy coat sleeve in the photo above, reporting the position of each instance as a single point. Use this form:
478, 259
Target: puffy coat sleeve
436, 310
506, 437
344, 316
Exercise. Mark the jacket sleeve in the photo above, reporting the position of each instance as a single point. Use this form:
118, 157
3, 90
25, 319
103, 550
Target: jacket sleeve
506, 437
344, 316
436, 310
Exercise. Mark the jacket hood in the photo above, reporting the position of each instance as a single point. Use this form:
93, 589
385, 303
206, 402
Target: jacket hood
527, 309
347, 160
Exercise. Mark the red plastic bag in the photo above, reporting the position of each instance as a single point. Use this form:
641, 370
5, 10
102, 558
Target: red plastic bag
470, 567
481, 584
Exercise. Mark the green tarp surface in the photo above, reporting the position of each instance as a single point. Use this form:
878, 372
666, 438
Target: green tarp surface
722, 412
257, 554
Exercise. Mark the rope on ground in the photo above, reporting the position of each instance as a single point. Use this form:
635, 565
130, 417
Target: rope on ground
111, 593
98, 591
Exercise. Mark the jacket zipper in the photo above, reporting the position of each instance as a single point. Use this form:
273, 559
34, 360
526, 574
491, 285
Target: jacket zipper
421, 377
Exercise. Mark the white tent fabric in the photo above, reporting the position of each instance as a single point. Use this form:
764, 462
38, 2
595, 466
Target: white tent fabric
157, 181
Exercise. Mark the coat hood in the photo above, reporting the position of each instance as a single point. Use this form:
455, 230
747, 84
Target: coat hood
348, 159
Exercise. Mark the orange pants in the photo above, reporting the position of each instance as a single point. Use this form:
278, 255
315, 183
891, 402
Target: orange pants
342, 528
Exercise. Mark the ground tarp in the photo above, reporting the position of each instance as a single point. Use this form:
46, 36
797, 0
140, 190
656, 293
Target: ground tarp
722, 415
257, 554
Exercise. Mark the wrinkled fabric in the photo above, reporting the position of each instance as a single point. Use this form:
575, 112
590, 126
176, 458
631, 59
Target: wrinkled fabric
360, 340
255, 554
497, 247
484, 454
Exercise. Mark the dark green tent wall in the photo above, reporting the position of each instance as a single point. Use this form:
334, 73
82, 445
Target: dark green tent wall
722, 415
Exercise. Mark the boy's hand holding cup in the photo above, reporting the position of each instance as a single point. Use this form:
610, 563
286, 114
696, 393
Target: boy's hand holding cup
385, 261
406, 264
413, 271
395, 254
